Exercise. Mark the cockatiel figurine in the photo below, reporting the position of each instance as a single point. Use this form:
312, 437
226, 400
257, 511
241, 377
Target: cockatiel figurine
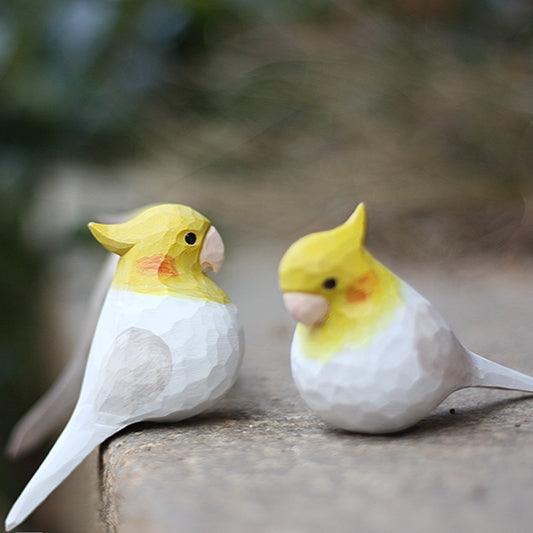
369, 353
167, 345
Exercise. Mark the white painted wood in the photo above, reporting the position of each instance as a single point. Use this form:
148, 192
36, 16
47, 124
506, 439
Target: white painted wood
399, 377
154, 356
47, 415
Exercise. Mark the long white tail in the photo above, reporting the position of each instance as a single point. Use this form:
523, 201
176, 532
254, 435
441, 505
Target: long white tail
49, 412
486, 373
53, 409
77, 441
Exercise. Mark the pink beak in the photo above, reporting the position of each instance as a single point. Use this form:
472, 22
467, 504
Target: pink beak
212, 253
309, 309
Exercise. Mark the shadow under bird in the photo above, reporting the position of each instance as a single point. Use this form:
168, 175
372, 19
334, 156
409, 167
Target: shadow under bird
167, 345
369, 353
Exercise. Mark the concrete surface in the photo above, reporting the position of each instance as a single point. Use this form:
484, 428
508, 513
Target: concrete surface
262, 462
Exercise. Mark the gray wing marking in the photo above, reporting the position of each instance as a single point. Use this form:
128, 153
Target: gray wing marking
138, 369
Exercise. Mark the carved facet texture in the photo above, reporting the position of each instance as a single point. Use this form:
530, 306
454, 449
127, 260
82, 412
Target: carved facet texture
391, 382
382, 358
169, 356
138, 370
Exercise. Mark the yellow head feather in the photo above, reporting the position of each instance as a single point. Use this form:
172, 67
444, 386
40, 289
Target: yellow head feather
328, 254
160, 250
361, 292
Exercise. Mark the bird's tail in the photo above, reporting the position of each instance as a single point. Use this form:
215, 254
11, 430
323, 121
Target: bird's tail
486, 373
53, 409
48, 413
78, 439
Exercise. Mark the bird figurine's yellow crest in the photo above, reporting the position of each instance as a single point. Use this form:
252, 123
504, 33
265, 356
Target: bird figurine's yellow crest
369, 353
359, 294
166, 346
165, 250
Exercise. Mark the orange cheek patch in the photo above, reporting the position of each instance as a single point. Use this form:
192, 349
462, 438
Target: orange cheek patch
354, 295
157, 264
362, 288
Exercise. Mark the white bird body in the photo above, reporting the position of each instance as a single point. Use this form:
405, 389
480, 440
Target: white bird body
390, 382
161, 357
152, 358
167, 345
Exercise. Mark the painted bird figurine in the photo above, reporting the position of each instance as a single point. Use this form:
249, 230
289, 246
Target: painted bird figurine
369, 353
167, 345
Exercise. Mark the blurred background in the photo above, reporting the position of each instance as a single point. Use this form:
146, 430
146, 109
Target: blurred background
272, 118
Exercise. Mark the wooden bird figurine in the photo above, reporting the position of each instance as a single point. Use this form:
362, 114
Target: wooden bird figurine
369, 353
168, 343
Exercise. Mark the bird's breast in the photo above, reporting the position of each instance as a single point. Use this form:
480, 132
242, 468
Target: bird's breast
198, 333
162, 314
196, 345
402, 374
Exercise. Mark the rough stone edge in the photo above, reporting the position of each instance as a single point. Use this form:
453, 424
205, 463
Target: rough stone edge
108, 512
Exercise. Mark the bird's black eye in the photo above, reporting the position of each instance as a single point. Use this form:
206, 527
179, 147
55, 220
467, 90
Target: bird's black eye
329, 283
190, 238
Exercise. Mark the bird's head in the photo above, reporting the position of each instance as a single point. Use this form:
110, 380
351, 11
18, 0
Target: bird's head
325, 268
164, 240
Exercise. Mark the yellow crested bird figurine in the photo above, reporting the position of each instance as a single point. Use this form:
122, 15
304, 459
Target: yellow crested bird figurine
167, 345
369, 353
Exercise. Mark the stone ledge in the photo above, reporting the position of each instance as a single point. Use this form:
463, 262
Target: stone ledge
261, 462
